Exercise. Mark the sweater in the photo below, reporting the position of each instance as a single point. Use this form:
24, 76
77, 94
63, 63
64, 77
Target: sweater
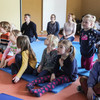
11, 50
25, 61
69, 68
87, 42
94, 76
53, 28
29, 30
48, 59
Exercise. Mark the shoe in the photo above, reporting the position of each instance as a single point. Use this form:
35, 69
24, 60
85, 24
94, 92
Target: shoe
79, 88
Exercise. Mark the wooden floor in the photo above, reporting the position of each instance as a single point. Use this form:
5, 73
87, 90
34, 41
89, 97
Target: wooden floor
19, 90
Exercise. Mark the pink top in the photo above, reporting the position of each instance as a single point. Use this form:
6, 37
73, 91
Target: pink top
11, 50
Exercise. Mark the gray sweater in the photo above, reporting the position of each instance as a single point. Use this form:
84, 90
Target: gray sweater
47, 61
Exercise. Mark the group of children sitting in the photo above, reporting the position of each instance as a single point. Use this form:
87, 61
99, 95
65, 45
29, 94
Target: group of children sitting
58, 64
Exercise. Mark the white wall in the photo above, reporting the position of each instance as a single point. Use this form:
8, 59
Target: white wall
10, 11
57, 7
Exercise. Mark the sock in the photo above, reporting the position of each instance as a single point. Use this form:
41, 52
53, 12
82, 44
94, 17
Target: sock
13, 75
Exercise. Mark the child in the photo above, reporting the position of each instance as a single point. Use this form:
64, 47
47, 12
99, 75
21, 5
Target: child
91, 85
25, 62
9, 54
64, 74
88, 38
46, 65
5, 29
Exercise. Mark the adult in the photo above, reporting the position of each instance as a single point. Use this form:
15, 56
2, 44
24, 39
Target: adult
53, 26
29, 28
69, 29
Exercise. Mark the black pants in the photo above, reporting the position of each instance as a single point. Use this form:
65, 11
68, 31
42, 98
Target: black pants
15, 67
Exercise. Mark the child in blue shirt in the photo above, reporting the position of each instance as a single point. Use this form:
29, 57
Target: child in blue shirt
88, 38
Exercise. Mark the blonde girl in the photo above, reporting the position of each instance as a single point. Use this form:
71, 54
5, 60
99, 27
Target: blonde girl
69, 29
88, 38
46, 65
8, 56
25, 62
64, 74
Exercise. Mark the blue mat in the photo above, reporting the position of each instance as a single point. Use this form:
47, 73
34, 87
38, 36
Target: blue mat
38, 48
30, 78
8, 97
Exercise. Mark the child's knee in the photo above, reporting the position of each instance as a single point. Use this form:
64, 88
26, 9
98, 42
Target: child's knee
18, 58
83, 79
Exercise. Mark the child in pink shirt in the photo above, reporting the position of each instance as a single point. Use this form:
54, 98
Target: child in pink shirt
8, 56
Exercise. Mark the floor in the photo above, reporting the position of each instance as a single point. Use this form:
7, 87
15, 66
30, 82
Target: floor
19, 90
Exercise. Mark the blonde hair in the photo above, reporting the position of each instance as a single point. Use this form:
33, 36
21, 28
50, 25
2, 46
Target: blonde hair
6, 26
24, 43
53, 40
91, 18
73, 17
68, 45
16, 33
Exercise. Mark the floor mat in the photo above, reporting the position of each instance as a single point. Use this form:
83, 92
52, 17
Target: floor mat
4, 96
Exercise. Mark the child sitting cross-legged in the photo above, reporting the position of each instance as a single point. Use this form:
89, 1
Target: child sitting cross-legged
25, 61
65, 70
46, 65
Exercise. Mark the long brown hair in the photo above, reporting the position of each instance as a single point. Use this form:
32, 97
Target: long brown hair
24, 43
68, 45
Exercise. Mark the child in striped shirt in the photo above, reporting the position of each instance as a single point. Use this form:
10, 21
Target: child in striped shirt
5, 29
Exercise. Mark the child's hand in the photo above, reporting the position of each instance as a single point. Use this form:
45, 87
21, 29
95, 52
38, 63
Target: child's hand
39, 69
1, 64
61, 62
52, 77
90, 93
16, 79
5, 63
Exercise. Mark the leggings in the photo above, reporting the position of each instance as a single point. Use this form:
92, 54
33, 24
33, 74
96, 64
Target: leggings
87, 63
51, 85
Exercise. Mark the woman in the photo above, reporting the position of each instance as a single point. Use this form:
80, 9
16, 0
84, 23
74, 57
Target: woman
69, 28
53, 26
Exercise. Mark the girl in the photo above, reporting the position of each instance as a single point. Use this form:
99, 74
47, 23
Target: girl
53, 26
26, 61
67, 72
5, 29
9, 54
91, 86
46, 65
88, 38
69, 28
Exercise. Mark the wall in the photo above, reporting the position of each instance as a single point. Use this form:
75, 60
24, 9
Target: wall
33, 7
74, 6
10, 11
92, 7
